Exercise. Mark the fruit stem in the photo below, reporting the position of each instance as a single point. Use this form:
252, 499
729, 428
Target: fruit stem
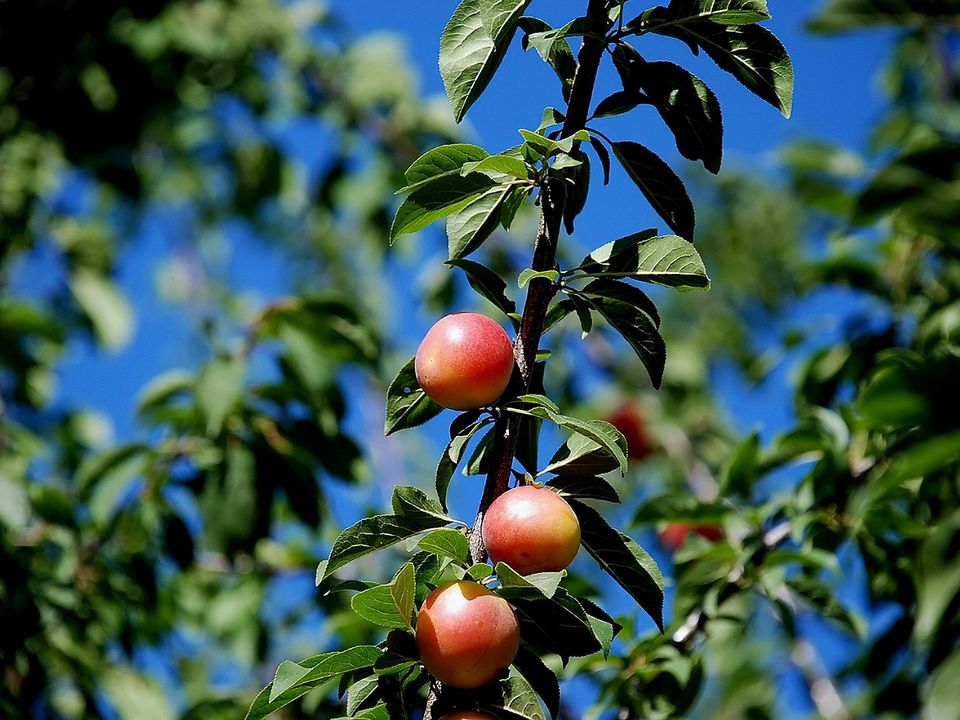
541, 290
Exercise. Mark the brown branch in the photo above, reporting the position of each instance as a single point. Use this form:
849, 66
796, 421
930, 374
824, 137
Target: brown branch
541, 290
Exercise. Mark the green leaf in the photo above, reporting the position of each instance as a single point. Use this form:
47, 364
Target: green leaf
472, 47
94, 468
133, 696
686, 104
919, 186
600, 432
104, 306
604, 627
630, 316
577, 180
511, 206
895, 396
391, 605
407, 404
412, 502
553, 47
14, 504
117, 470
742, 471
372, 534
479, 571
530, 274
604, 156
587, 487
219, 391
436, 200
469, 226
608, 289
942, 701
519, 700
824, 600
391, 663
480, 459
581, 456
659, 184
680, 12
293, 680
448, 543
360, 692
623, 559
451, 459
513, 584
440, 162
619, 102
559, 625
750, 53
498, 166
938, 578
539, 143
162, 389
755, 57
662, 259
541, 678
924, 457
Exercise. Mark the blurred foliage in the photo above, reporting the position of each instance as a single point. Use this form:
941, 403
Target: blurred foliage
172, 543
177, 542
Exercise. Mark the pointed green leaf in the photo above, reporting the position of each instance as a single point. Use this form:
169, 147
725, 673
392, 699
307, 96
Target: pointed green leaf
580, 486
663, 259
519, 700
390, 605
439, 162
448, 543
541, 678
600, 432
686, 104
513, 584
659, 184
623, 559
682, 12
582, 456
469, 226
407, 404
487, 283
436, 200
472, 47
372, 534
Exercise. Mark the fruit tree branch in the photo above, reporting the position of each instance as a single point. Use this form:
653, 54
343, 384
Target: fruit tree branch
541, 290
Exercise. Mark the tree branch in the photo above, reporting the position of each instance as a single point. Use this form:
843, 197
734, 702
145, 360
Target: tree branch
541, 290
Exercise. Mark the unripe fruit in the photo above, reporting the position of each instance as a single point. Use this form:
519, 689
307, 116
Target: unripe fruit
466, 634
532, 529
673, 535
468, 715
464, 361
